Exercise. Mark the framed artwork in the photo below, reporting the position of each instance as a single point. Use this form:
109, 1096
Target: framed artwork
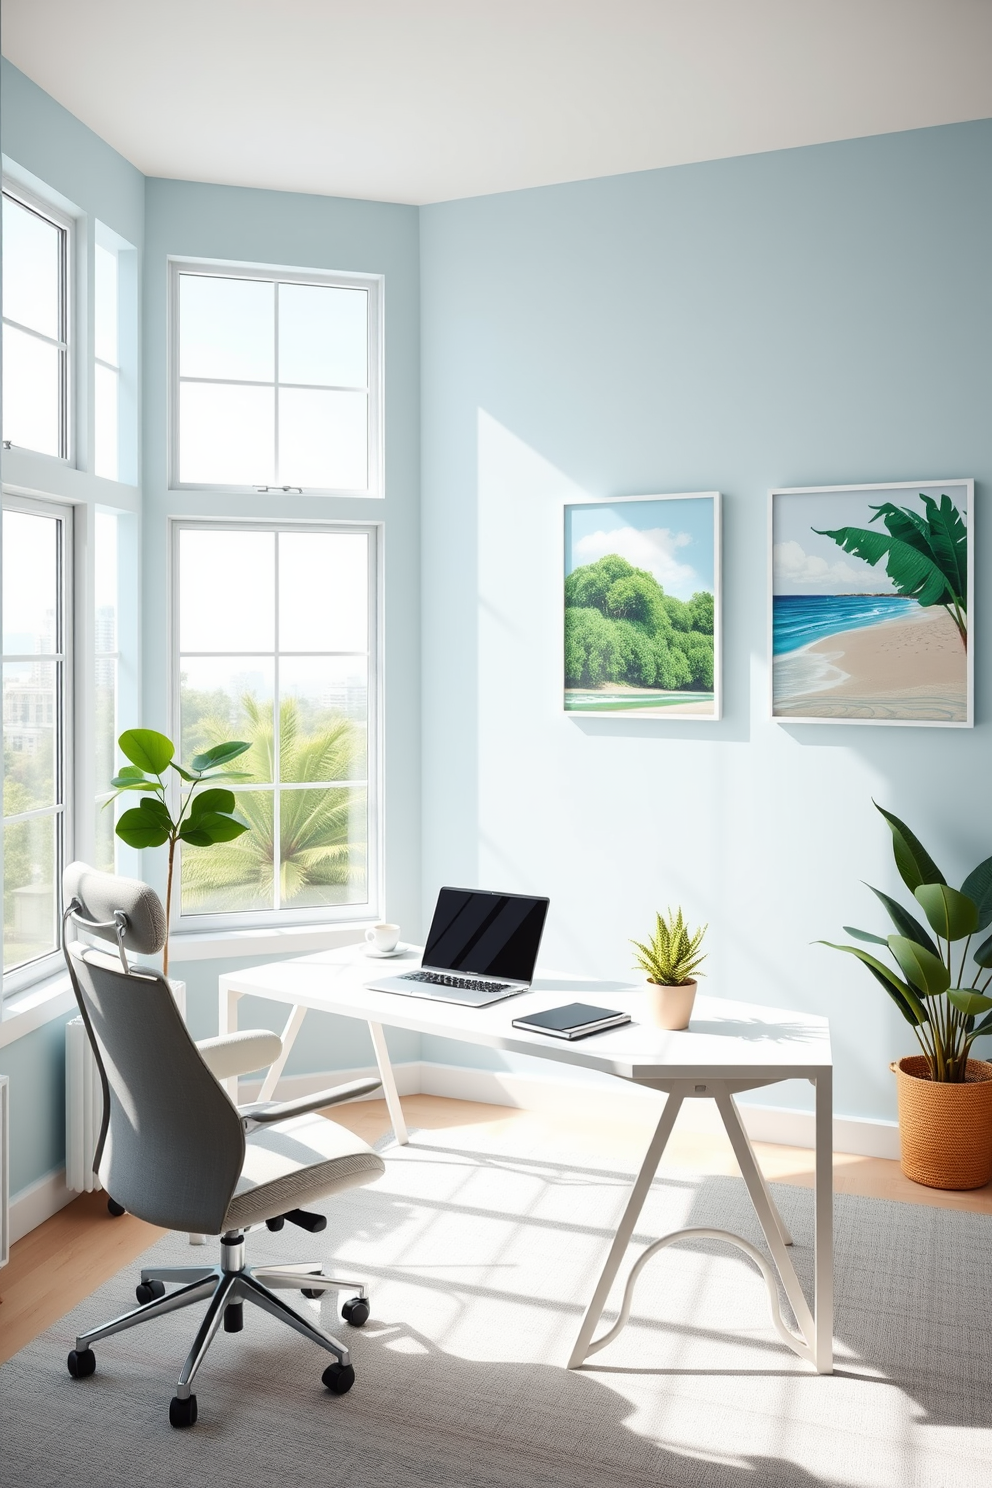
871, 604
642, 607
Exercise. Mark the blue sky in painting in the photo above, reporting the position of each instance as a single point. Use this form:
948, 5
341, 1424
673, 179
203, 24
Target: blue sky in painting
670, 537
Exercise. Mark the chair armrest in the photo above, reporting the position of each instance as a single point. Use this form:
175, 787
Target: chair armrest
264, 1113
238, 1053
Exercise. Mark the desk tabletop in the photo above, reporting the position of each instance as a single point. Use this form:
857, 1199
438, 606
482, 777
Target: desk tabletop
724, 1040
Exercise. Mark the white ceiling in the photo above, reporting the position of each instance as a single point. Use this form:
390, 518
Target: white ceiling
425, 100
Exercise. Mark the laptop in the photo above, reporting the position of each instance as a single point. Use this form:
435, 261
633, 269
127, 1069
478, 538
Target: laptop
481, 948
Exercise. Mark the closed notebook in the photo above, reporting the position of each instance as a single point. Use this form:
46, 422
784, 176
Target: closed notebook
575, 1020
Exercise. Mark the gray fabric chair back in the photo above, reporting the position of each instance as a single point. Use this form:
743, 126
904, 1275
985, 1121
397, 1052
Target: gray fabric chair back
172, 1145
101, 894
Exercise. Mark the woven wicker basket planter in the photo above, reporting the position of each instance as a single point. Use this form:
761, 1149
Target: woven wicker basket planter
945, 1131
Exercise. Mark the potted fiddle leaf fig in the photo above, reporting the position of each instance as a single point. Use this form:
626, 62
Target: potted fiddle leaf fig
940, 983
205, 811
671, 959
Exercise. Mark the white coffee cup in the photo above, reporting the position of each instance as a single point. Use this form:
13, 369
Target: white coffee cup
383, 937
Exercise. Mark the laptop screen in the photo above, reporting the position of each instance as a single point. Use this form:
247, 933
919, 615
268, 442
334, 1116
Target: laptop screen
490, 934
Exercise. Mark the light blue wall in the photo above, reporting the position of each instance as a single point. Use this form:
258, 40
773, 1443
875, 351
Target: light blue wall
815, 316
270, 227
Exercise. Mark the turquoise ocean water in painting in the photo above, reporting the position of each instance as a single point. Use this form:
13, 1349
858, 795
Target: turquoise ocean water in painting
801, 619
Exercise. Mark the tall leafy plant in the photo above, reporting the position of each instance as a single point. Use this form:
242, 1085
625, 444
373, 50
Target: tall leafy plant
926, 556
940, 984
203, 817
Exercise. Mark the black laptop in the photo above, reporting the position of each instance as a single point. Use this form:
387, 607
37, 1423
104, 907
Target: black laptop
481, 948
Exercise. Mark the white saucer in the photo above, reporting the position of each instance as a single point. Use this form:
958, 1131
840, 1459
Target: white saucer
397, 950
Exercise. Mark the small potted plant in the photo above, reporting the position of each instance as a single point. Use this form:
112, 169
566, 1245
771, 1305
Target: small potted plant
940, 987
203, 817
671, 959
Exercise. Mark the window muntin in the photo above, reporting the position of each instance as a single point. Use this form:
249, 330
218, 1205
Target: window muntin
35, 720
35, 328
106, 364
276, 645
275, 380
106, 666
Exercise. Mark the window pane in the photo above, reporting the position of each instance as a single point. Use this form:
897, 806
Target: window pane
323, 335
29, 897
233, 876
105, 304
226, 435
226, 328
105, 577
30, 392
29, 736
323, 715
31, 277
30, 583
224, 698
323, 591
105, 753
104, 838
322, 839
323, 439
105, 391
227, 591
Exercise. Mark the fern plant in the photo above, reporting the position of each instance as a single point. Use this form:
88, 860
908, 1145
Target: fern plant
672, 957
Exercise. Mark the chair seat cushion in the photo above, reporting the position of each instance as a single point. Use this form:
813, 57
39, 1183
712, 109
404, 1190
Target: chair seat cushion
296, 1163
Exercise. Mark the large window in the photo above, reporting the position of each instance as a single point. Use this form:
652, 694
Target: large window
276, 645
36, 674
35, 328
275, 380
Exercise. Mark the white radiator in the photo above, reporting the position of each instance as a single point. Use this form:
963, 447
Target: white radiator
83, 1109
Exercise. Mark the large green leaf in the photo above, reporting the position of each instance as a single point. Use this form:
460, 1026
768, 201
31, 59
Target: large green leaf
183, 774
914, 574
925, 972
968, 1002
865, 935
983, 956
905, 923
952, 914
984, 1027
978, 887
148, 749
906, 998
220, 754
949, 543
211, 800
915, 864
211, 827
141, 828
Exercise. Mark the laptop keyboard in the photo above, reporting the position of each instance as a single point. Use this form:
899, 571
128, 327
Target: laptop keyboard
441, 979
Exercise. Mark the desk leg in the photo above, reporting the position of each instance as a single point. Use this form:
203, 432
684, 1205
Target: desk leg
389, 1084
227, 1022
823, 1347
625, 1229
293, 1025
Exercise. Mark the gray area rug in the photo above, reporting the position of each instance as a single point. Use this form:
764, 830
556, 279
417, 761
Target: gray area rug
479, 1264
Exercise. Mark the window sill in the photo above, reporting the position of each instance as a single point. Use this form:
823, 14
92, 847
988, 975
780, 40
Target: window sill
25, 1011
289, 940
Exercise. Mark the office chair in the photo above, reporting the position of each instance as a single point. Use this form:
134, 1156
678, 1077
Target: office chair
175, 1151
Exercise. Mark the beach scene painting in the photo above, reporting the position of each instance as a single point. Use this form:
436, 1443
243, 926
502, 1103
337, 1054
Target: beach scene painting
872, 603
642, 607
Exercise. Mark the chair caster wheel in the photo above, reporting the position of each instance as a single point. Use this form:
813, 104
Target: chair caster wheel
338, 1378
115, 1209
311, 1291
182, 1412
149, 1291
356, 1312
81, 1362
275, 1224
234, 1317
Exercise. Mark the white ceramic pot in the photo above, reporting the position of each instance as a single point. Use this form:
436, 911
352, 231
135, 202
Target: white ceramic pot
671, 1007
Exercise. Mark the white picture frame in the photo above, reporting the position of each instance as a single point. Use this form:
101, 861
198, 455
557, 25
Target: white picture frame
674, 540
847, 641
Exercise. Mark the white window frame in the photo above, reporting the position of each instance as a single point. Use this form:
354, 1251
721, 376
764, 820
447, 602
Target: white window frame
67, 268
338, 915
270, 274
44, 966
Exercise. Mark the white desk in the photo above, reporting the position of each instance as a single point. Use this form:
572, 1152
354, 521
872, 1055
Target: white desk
729, 1047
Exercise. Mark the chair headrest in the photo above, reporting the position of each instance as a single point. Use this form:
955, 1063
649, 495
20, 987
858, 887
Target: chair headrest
100, 894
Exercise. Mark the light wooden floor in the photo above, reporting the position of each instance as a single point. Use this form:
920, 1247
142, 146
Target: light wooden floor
79, 1248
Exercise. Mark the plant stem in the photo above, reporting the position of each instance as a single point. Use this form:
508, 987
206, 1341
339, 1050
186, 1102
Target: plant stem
168, 907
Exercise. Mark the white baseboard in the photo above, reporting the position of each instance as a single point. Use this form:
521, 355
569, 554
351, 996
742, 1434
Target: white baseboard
858, 1135
31, 1206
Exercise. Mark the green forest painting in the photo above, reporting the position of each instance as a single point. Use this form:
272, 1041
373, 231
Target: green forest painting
641, 623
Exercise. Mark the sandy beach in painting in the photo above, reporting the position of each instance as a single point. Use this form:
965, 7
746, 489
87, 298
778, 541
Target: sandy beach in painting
617, 699
913, 668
